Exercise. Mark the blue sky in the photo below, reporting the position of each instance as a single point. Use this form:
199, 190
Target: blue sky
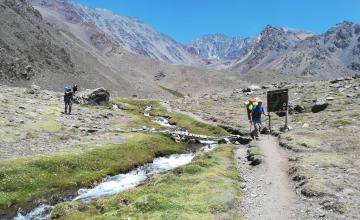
185, 20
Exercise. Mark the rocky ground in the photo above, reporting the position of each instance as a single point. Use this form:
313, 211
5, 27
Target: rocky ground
308, 172
33, 123
322, 147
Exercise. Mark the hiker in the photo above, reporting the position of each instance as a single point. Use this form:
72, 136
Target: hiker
249, 105
255, 118
75, 89
68, 97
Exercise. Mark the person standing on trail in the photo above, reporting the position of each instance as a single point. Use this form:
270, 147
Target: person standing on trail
68, 97
255, 118
249, 105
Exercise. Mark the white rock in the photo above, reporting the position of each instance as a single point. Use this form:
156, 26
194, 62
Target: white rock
305, 125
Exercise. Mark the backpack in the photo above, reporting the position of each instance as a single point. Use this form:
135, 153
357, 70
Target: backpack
251, 104
257, 111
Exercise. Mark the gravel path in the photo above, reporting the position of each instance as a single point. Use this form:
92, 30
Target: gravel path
268, 193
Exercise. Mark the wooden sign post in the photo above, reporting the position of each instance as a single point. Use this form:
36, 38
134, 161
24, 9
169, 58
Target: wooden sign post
278, 101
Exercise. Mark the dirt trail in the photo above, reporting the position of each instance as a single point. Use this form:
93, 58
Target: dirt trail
268, 193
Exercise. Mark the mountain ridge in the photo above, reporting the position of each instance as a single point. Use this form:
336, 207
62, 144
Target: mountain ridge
280, 49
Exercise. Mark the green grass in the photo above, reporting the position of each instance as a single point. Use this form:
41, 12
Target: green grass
206, 188
24, 179
135, 109
309, 142
196, 127
340, 122
172, 92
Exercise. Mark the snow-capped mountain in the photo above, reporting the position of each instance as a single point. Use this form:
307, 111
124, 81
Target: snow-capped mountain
219, 47
130, 33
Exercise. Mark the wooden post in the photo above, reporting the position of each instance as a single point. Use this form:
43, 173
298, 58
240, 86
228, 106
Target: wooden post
286, 119
269, 121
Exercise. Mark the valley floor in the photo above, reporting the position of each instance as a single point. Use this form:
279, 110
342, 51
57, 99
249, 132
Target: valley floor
309, 172
46, 156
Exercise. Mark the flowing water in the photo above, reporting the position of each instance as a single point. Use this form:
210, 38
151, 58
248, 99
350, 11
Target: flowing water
123, 182
42, 212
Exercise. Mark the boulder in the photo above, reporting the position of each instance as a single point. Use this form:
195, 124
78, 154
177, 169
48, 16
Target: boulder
337, 80
240, 139
99, 96
251, 88
34, 89
281, 114
266, 86
299, 109
319, 106
265, 130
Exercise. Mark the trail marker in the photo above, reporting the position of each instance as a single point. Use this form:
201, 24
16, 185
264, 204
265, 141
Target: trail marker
278, 101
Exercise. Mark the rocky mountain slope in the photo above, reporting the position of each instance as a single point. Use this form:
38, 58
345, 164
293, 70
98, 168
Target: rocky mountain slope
332, 54
219, 47
52, 55
33, 51
132, 34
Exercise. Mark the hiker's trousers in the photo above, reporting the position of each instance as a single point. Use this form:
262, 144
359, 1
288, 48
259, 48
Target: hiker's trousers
257, 128
68, 105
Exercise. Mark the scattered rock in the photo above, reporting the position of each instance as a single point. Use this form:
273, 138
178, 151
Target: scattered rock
224, 141
34, 89
285, 128
299, 109
333, 205
305, 125
241, 139
337, 80
158, 76
275, 133
265, 130
319, 106
242, 185
251, 88
23, 136
293, 158
299, 178
232, 130
254, 155
306, 191
266, 86
280, 114
115, 107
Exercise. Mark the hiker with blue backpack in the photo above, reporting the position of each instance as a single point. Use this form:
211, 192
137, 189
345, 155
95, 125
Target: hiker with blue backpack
68, 98
255, 118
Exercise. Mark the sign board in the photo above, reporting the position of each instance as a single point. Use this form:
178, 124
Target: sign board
277, 100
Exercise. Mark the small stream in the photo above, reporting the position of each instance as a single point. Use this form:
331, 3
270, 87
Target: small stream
124, 182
